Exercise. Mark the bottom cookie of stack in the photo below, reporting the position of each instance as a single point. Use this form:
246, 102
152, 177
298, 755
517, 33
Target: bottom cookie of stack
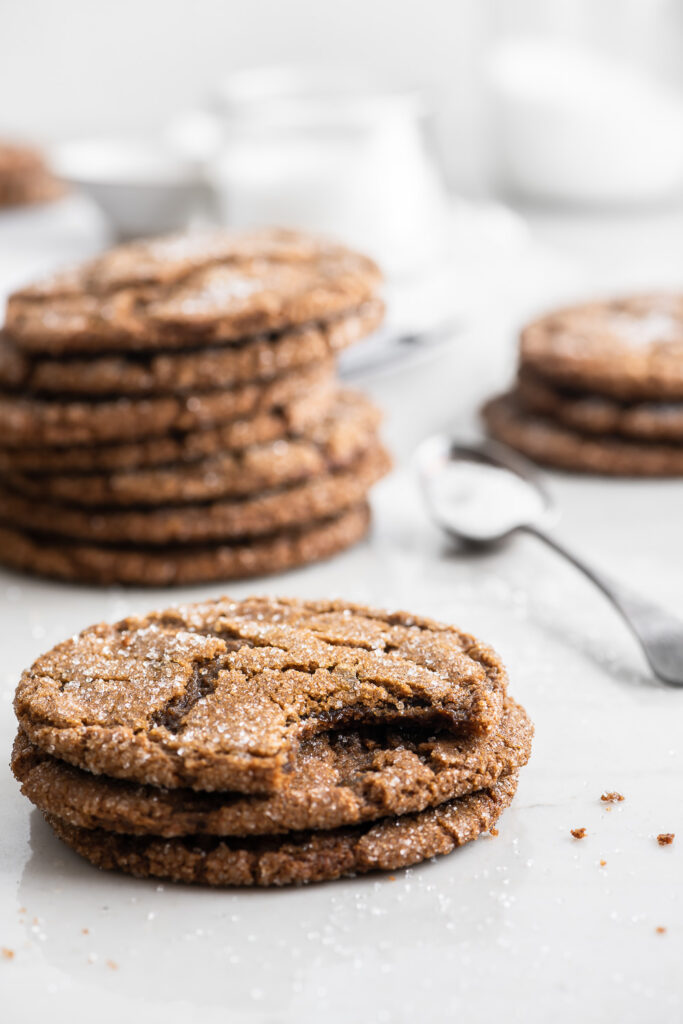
64, 559
555, 444
387, 845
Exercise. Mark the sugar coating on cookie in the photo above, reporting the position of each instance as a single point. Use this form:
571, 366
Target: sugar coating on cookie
629, 348
220, 695
192, 289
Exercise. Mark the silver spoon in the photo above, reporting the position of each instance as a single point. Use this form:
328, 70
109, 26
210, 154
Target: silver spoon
484, 492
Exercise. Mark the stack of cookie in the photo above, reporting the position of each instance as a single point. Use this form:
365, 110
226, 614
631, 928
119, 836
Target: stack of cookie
170, 413
600, 389
24, 177
268, 741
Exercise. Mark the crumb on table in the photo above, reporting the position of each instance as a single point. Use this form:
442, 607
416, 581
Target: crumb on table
603, 863
578, 833
493, 831
612, 797
8, 954
666, 838
660, 930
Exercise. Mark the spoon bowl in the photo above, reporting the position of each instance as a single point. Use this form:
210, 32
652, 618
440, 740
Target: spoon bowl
481, 493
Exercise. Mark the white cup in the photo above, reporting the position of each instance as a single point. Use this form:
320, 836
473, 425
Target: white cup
331, 152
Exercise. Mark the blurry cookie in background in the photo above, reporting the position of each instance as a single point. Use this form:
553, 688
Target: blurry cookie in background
599, 388
24, 177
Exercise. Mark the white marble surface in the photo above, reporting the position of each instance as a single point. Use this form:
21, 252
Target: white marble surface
525, 927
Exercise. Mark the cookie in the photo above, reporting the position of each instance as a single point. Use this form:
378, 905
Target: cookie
629, 348
299, 416
387, 845
191, 290
338, 779
190, 563
30, 421
220, 695
230, 519
152, 373
550, 443
24, 177
336, 442
596, 414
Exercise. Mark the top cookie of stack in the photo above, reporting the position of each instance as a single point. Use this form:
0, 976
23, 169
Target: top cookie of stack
600, 388
169, 411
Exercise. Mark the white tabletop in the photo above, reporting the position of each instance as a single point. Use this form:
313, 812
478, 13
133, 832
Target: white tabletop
528, 926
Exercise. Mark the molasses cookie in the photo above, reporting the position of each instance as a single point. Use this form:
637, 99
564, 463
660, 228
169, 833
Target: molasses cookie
140, 373
318, 498
24, 177
630, 348
387, 845
176, 565
221, 695
30, 421
299, 416
340, 439
597, 414
191, 290
547, 441
337, 779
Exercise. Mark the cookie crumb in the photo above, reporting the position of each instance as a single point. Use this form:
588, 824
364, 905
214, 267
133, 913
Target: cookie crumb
493, 831
8, 954
611, 798
660, 930
392, 878
579, 833
85, 931
112, 965
666, 838
603, 863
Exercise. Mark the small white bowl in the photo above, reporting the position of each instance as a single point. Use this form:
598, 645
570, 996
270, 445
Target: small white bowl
143, 188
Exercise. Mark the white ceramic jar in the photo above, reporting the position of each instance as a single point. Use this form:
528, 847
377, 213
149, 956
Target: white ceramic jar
331, 152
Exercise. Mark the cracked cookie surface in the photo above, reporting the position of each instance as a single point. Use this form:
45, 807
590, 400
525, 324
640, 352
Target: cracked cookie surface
630, 348
387, 845
220, 696
192, 289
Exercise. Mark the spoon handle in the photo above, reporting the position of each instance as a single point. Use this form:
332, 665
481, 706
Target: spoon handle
660, 634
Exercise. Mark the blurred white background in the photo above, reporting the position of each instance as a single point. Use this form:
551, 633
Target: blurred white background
75, 67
